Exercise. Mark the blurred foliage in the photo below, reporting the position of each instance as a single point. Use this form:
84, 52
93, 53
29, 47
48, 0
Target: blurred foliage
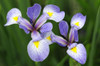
13, 40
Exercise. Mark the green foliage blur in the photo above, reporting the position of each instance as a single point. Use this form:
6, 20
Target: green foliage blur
14, 41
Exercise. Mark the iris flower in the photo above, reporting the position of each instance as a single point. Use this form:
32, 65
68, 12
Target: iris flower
38, 47
75, 50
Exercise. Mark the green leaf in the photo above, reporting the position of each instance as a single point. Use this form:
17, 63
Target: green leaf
61, 63
93, 46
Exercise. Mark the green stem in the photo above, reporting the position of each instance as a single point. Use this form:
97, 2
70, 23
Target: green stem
62, 61
36, 64
93, 46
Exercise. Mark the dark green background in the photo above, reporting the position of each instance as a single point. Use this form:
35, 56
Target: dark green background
14, 41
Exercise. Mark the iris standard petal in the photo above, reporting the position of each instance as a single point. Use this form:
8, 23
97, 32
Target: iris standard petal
73, 35
54, 13
34, 11
59, 40
25, 24
38, 50
63, 27
35, 35
47, 36
12, 16
77, 52
46, 27
78, 21
43, 18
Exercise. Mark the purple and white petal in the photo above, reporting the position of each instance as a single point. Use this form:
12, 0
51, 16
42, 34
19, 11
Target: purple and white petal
38, 51
73, 35
12, 16
51, 8
46, 27
24, 28
34, 11
54, 13
58, 16
63, 27
77, 52
25, 24
43, 18
59, 40
35, 35
78, 21
47, 37
76, 35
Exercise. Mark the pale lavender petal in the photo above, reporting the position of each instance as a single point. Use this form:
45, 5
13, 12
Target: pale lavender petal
24, 28
35, 35
43, 18
46, 27
54, 13
57, 17
12, 16
47, 36
73, 35
39, 53
25, 23
63, 27
80, 54
51, 8
59, 40
78, 21
34, 11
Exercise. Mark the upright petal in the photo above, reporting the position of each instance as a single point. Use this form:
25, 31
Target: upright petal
35, 35
63, 27
12, 16
61, 41
25, 25
38, 50
78, 21
77, 52
34, 11
73, 35
43, 18
46, 27
47, 37
54, 12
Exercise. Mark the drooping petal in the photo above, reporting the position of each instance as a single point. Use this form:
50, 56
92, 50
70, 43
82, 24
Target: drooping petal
63, 27
78, 21
59, 40
43, 18
38, 50
12, 16
34, 11
54, 12
46, 27
24, 28
77, 52
35, 35
47, 37
73, 35
25, 25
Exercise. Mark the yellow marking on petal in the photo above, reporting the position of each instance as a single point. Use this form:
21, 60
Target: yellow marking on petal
74, 49
36, 43
49, 38
77, 23
50, 13
15, 18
